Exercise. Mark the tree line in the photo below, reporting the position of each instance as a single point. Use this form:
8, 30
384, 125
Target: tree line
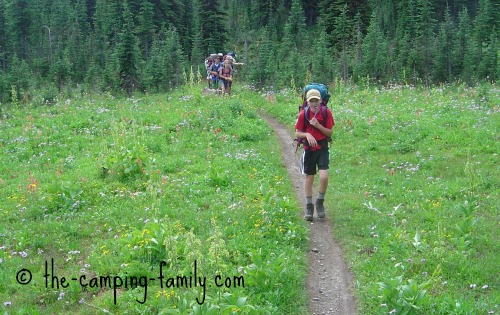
155, 45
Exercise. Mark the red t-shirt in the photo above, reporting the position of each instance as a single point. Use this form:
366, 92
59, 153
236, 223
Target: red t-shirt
316, 133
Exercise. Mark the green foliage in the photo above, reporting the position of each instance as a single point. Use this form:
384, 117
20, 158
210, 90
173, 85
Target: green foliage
65, 196
127, 53
401, 298
208, 189
127, 157
417, 220
388, 41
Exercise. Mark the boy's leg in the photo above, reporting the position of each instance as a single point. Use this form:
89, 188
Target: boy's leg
323, 166
323, 181
323, 185
308, 186
308, 168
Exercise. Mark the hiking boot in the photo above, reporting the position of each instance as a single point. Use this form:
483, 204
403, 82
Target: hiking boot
320, 208
309, 212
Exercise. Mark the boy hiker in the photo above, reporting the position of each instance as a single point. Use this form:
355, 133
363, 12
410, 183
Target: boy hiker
316, 131
208, 65
214, 71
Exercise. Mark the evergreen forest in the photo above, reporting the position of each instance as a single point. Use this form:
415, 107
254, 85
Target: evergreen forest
56, 46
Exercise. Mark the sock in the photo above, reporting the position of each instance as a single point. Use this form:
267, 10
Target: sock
309, 200
321, 195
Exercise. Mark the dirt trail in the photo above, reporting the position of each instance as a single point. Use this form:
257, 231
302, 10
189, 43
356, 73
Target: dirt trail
329, 282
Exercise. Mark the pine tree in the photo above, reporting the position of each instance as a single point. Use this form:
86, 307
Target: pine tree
444, 61
296, 23
174, 58
343, 35
425, 38
487, 24
18, 75
406, 45
322, 62
18, 18
375, 50
127, 53
384, 12
152, 75
146, 28
3, 39
213, 21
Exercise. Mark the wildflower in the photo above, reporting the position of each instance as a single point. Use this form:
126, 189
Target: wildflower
7, 303
61, 295
484, 287
473, 286
23, 254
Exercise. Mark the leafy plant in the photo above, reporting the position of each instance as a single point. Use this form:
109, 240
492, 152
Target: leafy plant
403, 298
65, 195
127, 157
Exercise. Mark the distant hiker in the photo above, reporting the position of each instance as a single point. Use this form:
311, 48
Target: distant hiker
208, 65
226, 76
214, 71
315, 130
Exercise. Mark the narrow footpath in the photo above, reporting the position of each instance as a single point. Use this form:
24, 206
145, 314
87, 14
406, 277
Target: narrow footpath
329, 283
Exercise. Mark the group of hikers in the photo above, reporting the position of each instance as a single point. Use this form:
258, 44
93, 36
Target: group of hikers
313, 128
220, 70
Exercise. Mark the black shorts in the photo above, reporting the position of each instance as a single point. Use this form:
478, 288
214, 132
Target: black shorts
310, 160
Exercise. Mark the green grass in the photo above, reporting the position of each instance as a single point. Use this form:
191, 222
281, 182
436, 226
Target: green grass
112, 187
109, 186
414, 195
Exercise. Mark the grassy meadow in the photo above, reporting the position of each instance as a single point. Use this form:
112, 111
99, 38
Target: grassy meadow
415, 195
180, 203
109, 193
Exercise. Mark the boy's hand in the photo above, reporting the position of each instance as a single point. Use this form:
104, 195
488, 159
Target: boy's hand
310, 139
314, 122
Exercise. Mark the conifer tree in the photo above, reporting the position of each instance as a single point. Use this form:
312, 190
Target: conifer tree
127, 53
145, 27
296, 23
374, 50
153, 73
288, 55
343, 35
487, 24
444, 52
3, 39
198, 49
18, 17
322, 61
425, 38
213, 21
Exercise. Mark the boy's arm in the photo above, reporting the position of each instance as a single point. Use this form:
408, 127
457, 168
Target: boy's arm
310, 139
326, 131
